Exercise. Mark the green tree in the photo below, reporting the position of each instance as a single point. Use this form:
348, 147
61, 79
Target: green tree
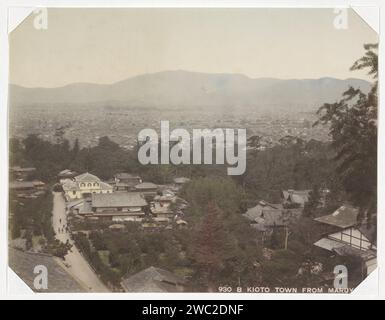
210, 246
275, 240
368, 61
353, 128
313, 203
221, 191
75, 149
59, 249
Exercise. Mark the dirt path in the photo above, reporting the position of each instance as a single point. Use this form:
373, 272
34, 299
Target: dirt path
78, 266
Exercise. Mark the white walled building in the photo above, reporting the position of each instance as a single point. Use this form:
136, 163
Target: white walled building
350, 237
84, 185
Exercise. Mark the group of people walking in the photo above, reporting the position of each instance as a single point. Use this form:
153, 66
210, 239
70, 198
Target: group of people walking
64, 228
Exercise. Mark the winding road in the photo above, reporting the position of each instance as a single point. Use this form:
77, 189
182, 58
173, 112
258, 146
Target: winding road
75, 263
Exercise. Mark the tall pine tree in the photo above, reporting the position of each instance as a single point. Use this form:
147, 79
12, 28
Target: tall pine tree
353, 128
210, 246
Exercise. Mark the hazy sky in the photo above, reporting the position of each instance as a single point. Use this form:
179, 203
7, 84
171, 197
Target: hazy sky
108, 45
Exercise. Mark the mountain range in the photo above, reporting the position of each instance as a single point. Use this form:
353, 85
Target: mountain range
184, 89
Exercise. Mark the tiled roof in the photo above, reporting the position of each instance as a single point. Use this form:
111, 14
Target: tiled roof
86, 177
153, 280
105, 186
296, 196
146, 185
59, 280
347, 250
118, 199
262, 209
328, 244
125, 175
344, 217
86, 208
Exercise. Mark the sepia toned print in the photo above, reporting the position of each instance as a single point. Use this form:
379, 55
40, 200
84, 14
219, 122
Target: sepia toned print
193, 150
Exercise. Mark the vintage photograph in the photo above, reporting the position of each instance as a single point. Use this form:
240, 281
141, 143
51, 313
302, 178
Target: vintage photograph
181, 150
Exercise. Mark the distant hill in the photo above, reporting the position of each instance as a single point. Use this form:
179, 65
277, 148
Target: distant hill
183, 89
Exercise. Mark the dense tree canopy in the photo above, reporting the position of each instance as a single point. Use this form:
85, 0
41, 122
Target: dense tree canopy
353, 128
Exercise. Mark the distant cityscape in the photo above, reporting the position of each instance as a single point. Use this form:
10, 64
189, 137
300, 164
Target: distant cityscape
122, 125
